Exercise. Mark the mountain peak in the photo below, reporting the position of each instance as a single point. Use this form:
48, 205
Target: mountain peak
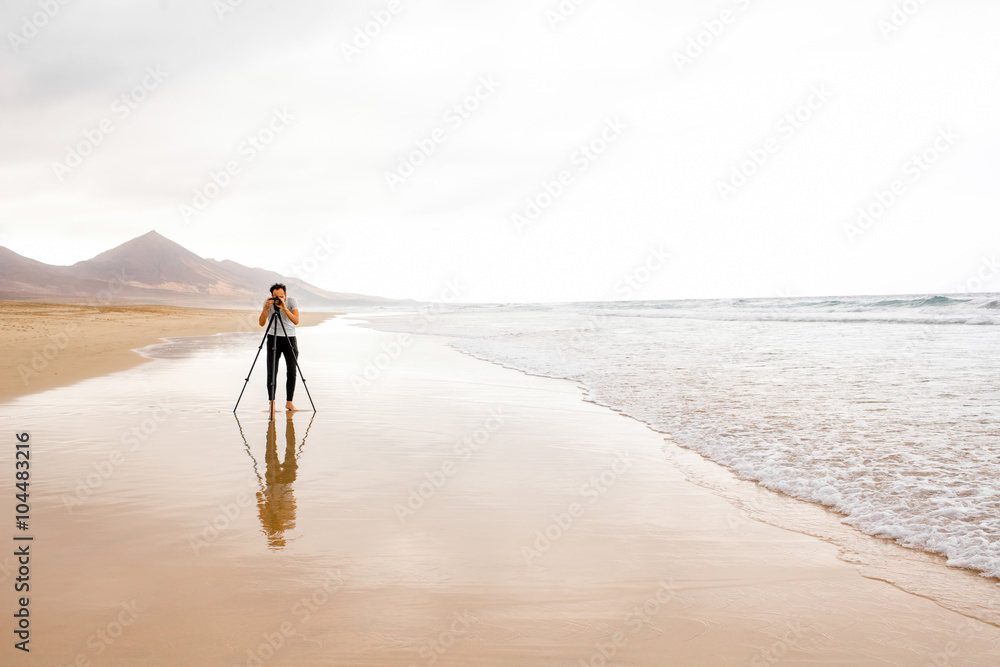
151, 241
150, 259
152, 236
154, 269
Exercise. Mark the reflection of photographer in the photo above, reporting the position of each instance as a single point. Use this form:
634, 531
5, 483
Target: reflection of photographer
276, 501
282, 335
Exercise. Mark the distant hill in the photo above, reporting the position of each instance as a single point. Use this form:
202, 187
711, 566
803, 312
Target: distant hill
152, 269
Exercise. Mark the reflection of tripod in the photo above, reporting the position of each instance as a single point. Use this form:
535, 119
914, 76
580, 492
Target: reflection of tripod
273, 380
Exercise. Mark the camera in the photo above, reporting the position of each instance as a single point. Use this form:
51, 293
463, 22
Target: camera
276, 301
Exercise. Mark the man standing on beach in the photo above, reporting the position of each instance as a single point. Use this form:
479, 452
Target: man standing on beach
284, 338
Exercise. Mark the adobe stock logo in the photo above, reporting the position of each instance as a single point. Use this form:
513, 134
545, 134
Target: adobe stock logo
31, 25
456, 115
562, 12
364, 34
785, 128
562, 522
634, 280
219, 180
583, 158
883, 201
121, 108
900, 16
712, 30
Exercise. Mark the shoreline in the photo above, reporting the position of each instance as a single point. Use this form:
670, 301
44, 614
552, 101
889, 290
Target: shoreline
912, 570
50, 345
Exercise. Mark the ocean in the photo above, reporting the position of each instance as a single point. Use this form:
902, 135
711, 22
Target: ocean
883, 409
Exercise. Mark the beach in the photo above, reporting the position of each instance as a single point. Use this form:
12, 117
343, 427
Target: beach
437, 509
50, 345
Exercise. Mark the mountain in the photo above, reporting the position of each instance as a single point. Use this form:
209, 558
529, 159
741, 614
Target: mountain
152, 269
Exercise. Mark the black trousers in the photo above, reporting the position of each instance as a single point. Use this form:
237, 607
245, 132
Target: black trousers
286, 346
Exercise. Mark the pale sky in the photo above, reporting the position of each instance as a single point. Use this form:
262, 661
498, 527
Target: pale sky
199, 78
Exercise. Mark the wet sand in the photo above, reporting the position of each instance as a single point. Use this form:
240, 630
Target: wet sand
48, 345
436, 510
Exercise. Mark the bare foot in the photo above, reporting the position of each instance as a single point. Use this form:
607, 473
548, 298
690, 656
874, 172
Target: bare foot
271, 410
290, 407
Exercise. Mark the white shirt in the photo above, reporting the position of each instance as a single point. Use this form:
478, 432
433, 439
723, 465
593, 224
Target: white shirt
289, 330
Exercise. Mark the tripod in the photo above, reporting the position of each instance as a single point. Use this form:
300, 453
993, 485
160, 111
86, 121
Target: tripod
274, 380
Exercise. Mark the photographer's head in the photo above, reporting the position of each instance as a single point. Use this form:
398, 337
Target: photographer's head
277, 295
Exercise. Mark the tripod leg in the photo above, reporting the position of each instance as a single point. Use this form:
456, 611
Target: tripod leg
273, 374
250, 372
295, 357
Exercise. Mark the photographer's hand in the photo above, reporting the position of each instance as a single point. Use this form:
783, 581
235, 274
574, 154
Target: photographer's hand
263, 313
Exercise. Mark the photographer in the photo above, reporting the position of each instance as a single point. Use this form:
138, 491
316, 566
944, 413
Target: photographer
284, 338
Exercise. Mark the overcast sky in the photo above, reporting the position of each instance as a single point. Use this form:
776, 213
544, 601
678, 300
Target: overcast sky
738, 139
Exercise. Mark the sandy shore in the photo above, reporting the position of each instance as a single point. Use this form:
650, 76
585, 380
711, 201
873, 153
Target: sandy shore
52, 345
444, 511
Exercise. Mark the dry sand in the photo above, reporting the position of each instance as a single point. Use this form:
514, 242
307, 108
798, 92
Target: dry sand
47, 345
